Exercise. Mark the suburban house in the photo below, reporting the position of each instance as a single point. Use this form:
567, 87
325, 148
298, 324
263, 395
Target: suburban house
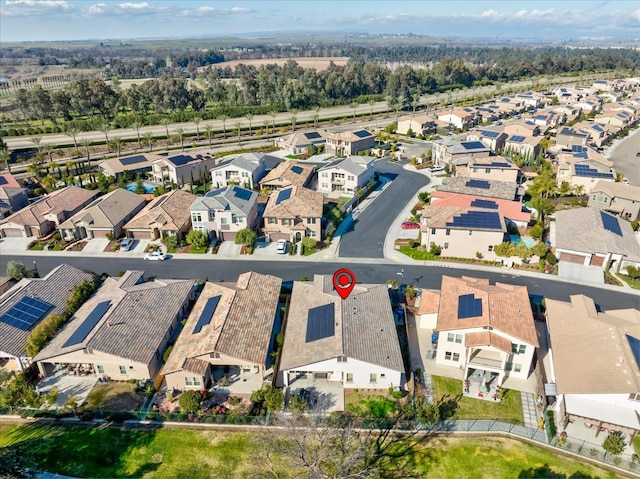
288, 173
418, 125
462, 232
141, 163
493, 168
349, 143
530, 99
486, 331
298, 143
27, 304
592, 237
460, 119
244, 170
447, 150
584, 175
505, 190
568, 137
6, 283
182, 168
527, 147
513, 211
351, 342
522, 128
293, 213
220, 339
597, 387
492, 139
12, 195
106, 215
223, 212
43, 216
346, 176
123, 330
489, 113
616, 198
166, 215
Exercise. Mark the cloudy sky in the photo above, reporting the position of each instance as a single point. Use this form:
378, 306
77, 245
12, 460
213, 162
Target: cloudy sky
36, 20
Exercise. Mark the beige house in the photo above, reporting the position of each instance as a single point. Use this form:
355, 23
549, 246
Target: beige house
595, 387
230, 333
447, 151
349, 143
13, 196
243, 170
461, 119
527, 147
485, 331
482, 188
166, 215
617, 198
293, 213
568, 137
182, 168
106, 215
298, 143
493, 168
492, 139
123, 330
141, 163
584, 175
288, 173
27, 304
419, 125
462, 232
222, 213
346, 176
42, 217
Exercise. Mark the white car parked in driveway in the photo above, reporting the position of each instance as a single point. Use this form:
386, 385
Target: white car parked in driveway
155, 256
281, 246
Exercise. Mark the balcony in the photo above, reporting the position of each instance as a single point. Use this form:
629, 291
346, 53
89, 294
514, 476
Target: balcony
337, 181
485, 359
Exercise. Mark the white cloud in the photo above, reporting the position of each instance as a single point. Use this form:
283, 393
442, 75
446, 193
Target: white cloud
34, 7
212, 11
134, 6
490, 14
125, 8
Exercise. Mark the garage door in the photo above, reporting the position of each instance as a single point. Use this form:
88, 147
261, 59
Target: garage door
597, 261
228, 236
139, 234
100, 233
571, 258
13, 233
277, 236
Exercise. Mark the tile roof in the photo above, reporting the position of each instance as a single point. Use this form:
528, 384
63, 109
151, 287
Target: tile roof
429, 302
107, 211
505, 307
365, 329
238, 200
350, 135
442, 216
355, 165
510, 209
241, 326
145, 310
617, 190
170, 210
497, 189
139, 161
7, 180
303, 202
289, 173
590, 350
487, 338
54, 289
246, 161
303, 138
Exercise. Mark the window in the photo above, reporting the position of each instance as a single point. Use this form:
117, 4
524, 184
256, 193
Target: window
212, 215
517, 367
325, 185
634, 397
123, 370
342, 359
487, 170
224, 221
188, 381
273, 221
311, 233
311, 221
383, 375
245, 174
286, 221
325, 174
446, 246
196, 217
349, 377
218, 173
196, 381
350, 178
448, 232
490, 247
454, 338
449, 356
518, 348
373, 378
450, 337
100, 369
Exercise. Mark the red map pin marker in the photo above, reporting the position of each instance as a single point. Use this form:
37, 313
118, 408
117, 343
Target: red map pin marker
343, 281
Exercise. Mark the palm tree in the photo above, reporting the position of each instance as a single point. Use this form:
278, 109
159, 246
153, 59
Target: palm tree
391, 101
371, 103
86, 142
238, 126
105, 128
73, 133
293, 118
48, 148
148, 139
208, 129
117, 142
166, 123
273, 115
265, 125
415, 104
196, 121
249, 116
354, 107
223, 118
180, 133
136, 125
5, 155
316, 117
35, 169
36, 140
68, 165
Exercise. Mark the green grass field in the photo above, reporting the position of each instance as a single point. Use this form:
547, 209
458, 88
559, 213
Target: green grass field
165, 453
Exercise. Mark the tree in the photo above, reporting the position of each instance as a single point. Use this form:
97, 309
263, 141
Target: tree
166, 122
371, 103
16, 462
273, 115
540, 249
614, 443
238, 126
208, 129
354, 107
117, 143
309, 243
190, 401
5, 156
37, 140
536, 231
246, 237
223, 118
136, 125
148, 139
197, 238
427, 413
249, 117
105, 128
633, 271
17, 270
293, 118
196, 121
73, 133
180, 134
86, 143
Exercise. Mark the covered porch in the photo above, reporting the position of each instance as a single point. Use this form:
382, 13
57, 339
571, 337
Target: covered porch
321, 394
236, 379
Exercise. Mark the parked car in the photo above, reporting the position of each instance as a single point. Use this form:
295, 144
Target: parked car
281, 246
155, 256
410, 225
436, 169
126, 244
625, 180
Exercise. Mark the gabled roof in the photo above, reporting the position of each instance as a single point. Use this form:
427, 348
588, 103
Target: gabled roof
170, 210
241, 326
139, 161
246, 161
452, 217
509, 209
354, 165
289, 173
485, 188
53, 289
617, 190
238, 200
504, 307
178, 160
355, 135
7, 180
294, 201
591, 350
364, 327
134, 325
108, 210
304, 138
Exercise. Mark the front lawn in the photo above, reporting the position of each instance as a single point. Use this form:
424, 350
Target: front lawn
417, 254
634, 283
201, 250
509, 409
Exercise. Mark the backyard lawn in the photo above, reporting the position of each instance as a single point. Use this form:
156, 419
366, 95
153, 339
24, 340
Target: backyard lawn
375, 404
110, 452
509, 409
115, 396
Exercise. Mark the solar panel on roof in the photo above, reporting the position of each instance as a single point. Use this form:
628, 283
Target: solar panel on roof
320, 323
597, 127
586, 170
472, 145
469, 306
476, 219
578, 148
90, 322
477, 184
297, 170
634, 343
283, 195
582, 154
132, 160
488, 204
610, 223
242, 193
207, 313
362, 133
490, 134
180, 160
517, 138
26, 313
312, 135
217, 192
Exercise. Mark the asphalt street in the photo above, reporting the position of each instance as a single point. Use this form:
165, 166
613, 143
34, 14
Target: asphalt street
365, 236
422, 276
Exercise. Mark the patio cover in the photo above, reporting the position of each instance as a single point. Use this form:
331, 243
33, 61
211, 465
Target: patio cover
601, 411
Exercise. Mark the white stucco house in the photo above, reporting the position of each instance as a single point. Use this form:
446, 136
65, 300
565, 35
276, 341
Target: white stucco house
346, 176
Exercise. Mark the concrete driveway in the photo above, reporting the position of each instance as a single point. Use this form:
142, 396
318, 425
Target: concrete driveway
268, 249
15, 245
229, 248
96, 245
579, 273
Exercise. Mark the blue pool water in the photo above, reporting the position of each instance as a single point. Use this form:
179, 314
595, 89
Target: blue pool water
515, 239
148, 187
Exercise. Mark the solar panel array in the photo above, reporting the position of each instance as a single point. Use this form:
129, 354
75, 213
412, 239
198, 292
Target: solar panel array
362, 133
469, 306
583, 155
207, 313
517, 138
586, 170
283, 195
320, 323
495, 164
490, 134
634, 343
26, 313
217, 192
132, 160
312, 135
610, 223
90, 322
597, 127
482, 184
476, 219
472, 145
180, 160
488, 204
3, 181
578, 148
242, 193
297, 169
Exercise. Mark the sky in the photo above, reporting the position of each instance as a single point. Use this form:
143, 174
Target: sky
56, 20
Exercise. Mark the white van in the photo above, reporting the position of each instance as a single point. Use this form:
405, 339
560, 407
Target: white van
436, 169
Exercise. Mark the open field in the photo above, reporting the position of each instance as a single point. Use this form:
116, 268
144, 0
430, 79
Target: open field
319, 63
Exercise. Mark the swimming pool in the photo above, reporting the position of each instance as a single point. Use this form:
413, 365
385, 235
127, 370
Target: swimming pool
148, 187
515, 239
